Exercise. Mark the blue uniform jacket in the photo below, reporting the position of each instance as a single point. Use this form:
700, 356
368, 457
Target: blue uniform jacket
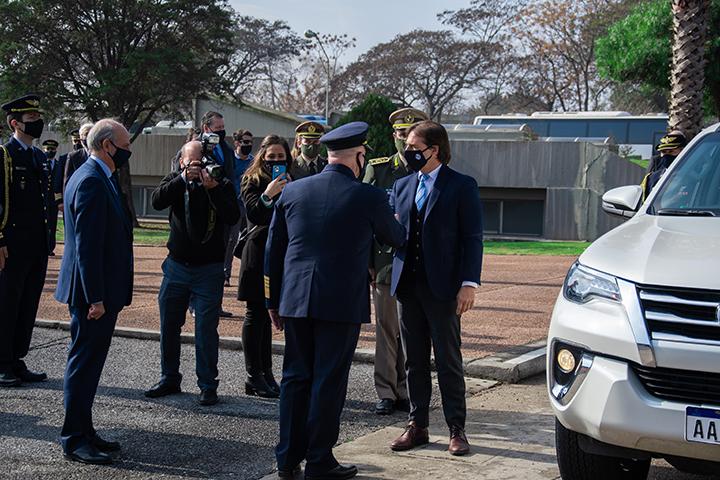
316, 258
97, 264
452, 236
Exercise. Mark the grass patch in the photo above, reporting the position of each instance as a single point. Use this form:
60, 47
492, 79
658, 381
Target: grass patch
535, 248
639, 161
146, 234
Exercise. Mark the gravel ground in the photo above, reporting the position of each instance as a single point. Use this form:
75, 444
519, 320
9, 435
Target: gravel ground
166, 438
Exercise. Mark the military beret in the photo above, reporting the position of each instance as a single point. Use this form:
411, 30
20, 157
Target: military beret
50, 143
671, 141
309, 130
28, 103
346, 136
407, 117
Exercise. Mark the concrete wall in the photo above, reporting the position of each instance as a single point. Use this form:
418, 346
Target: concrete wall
574, 176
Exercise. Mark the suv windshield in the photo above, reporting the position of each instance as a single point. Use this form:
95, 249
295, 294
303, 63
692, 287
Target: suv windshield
693, 188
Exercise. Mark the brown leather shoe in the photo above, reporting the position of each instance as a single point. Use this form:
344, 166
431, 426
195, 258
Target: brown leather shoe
458, 442
412, 437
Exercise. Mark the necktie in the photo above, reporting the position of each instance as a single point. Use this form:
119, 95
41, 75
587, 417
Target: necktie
115, 183
312, 168
421, 194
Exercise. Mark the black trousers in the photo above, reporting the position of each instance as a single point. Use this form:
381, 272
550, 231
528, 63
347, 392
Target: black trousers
257, 339
316, 367
21, 285
426, 322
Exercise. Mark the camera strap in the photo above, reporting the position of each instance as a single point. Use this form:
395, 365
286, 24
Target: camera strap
212, 219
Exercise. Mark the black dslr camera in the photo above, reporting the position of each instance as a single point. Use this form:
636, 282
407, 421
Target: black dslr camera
210, 164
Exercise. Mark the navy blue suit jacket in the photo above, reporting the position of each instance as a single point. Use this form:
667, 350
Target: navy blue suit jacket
97, 264
319, 242
452, 236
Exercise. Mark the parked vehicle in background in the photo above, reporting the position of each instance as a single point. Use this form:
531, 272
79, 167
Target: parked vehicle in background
634, 343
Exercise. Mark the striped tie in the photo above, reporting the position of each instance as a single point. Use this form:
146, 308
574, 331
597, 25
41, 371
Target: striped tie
421, 194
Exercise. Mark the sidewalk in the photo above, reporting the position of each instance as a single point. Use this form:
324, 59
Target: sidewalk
512, 307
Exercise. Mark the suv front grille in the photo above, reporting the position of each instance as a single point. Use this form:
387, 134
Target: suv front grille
694, 314
680, 385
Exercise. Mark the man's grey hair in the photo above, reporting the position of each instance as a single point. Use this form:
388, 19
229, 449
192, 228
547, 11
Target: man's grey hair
104, 129
85, 129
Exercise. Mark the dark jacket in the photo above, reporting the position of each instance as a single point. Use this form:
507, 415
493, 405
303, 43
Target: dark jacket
27, 203
203, 241
251, 266
319, 244
299, 169
452, 236
74, 160
97, 263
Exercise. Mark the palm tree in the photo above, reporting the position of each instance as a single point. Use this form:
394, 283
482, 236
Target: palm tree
690, 24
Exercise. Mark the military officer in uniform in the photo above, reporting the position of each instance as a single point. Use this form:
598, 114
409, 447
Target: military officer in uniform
57, 171
307, 151
79, 156
316, 288
390, 378
26, 203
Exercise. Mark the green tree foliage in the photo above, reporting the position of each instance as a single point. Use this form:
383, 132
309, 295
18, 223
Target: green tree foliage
638, 49
374, 110
127, 59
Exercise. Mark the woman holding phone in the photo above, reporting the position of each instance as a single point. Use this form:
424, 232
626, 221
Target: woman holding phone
261, 186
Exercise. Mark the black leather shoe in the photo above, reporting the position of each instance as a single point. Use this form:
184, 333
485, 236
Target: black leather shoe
289, 473
89, 454
338, 473
8, 379
105, 446
402, 405
270, 380
161, 389
208, 397
31, 377
385, 406
255, 385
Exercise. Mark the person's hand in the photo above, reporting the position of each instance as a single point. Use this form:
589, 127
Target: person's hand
207, 181
3, 257
97, 310
276, 319
276, 186
61, 207
465, 299
373, 276
192, 171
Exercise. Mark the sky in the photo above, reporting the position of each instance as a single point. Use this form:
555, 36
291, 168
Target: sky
369, 21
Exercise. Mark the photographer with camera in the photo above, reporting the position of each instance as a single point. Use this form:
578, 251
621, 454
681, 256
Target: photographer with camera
202, 204
262, 184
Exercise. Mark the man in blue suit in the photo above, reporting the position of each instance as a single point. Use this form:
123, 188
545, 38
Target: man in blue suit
316, 286
435, 278
96, 281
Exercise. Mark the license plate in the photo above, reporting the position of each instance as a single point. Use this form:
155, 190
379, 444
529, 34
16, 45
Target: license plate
702, 425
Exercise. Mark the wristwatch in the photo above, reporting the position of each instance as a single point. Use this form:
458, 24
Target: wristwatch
267, 201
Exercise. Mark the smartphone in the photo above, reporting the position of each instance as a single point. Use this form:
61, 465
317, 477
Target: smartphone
278, 170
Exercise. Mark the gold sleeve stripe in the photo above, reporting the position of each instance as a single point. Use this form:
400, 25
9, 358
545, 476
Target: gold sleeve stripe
267, 286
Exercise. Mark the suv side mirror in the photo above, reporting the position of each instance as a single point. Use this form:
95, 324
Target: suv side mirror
622, 201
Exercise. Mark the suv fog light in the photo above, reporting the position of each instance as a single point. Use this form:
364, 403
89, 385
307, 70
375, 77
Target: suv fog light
566, 360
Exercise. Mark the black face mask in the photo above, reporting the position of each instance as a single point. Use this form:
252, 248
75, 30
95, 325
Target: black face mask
34, 129
245, 150
50, 155
415, 159
360, 165
121, 156
77, 146
221, 134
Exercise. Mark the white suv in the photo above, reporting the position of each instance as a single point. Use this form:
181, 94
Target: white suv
634, 344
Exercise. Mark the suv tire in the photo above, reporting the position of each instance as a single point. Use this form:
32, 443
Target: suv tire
576, 464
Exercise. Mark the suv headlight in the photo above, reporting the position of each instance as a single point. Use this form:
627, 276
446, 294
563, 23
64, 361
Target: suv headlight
583, 284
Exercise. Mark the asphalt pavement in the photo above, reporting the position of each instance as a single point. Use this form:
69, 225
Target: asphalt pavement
173, 437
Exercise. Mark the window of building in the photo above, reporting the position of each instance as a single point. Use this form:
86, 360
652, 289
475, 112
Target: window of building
513, 212
142, 198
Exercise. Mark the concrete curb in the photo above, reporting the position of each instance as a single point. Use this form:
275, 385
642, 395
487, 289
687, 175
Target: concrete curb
508, 368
